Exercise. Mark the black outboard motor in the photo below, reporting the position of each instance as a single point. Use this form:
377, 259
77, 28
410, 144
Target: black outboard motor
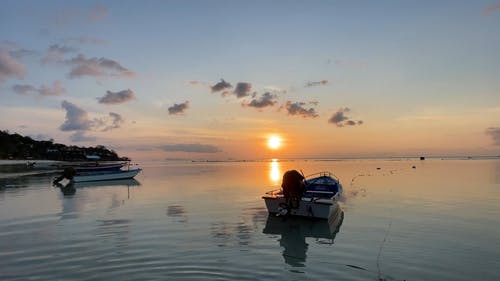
68, 173
293, 188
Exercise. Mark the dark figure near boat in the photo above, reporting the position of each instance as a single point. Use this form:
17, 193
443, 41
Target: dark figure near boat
293, 188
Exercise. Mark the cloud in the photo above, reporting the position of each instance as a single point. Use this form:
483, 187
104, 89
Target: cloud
14, 50
24, 89
117, 97
178, 108
191, 148
97, 67
10, 67
242, 89
80, 136
490, 9
85, 40
55, 90
316, 83
266, 100
297, 108
116, 121
77, 119
221, 86
340, 119
494, 133
200, 83
40, 137
57, 53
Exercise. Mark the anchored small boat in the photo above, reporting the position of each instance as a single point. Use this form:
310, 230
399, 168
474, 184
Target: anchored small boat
314, 196
105, 175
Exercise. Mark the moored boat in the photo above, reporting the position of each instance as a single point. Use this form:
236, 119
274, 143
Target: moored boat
313, 196
105, 175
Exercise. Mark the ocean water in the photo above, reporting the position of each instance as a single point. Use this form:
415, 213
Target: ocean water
403, 220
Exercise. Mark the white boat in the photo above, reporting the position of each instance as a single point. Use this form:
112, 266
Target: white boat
105, 175
318, 200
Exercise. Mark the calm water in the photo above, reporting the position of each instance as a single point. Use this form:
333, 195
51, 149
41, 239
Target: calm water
207, 221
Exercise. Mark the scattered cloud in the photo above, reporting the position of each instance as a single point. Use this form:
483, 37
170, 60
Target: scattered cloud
14, 50
340, 119
115, 122
242, 89
9, 66
97, 67
298, 109
266, 100
191, 148
81, 136
494, 133
490, 9
200, 83
117, 97
221, 86
57, 53
40, 137
77, 119
178, 108
55, 90
316, 83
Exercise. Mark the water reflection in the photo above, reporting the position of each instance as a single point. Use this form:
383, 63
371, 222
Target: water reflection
275, 172
295, 230
178, 212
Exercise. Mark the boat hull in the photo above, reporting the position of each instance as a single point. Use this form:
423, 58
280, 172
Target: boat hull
308, 207
104, 176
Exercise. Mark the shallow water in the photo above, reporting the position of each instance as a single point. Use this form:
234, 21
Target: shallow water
207, 221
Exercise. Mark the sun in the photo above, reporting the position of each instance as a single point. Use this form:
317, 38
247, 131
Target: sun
274, 142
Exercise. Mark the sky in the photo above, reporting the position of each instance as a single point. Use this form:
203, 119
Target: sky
214, 80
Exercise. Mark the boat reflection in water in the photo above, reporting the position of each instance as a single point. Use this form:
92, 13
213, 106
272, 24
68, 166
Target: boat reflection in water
70, 187
295, 230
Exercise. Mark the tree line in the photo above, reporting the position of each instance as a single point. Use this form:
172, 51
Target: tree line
18, 147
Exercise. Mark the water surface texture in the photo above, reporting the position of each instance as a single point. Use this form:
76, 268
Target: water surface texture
403, 220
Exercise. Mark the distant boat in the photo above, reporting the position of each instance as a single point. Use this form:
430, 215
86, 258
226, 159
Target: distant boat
105, 175
319, 200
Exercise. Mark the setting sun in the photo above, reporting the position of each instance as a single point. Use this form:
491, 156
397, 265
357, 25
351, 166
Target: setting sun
274, 142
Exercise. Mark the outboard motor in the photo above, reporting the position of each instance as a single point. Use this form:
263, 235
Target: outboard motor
293, 188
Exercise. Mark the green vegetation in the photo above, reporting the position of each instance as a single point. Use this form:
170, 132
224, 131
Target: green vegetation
15, 146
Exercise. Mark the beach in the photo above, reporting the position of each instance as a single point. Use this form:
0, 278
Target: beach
404, 219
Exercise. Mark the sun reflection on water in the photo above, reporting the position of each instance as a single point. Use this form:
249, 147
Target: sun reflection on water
275, 172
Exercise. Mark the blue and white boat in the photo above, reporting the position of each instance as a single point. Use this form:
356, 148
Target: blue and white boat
319, 199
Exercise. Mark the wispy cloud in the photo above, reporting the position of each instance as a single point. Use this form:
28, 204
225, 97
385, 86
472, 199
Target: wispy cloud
77, 119
97, 67
340, 119
55, 90
494, 133
117, 97
10, 67
299, 109
97, 13
178, 108
316, 83
15, 50
56, 53
200, 83
221, 86
490, 9
85, 40
266, 100
191, 148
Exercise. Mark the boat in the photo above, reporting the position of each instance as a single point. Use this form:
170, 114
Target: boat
318, 198
105, 175
95, 167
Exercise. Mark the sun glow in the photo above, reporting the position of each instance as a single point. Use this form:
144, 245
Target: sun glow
274, 142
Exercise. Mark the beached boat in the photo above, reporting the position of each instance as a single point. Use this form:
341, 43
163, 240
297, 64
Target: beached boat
317, 199
105, 175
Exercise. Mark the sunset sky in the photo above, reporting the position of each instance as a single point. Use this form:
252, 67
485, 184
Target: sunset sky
216, 79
